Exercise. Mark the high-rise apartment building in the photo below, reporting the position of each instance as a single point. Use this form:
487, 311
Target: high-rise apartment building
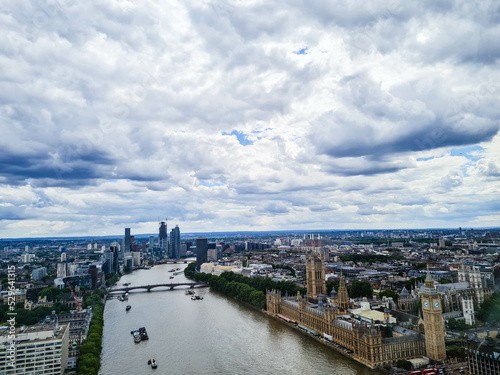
127, 243
39, 350
201, 252
39, 273
114, 267
162, 236
175, 243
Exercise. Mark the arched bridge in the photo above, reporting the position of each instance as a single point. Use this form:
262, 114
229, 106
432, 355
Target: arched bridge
149, 287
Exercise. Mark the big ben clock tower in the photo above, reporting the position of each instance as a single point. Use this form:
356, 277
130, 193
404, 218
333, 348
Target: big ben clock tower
433, 321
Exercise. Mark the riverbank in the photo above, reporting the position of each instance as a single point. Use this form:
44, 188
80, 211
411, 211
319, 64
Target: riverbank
89, 361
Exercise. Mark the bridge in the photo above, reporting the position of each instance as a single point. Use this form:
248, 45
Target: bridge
173, 261
148, 288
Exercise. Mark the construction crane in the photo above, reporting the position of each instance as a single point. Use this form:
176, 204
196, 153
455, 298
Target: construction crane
78, 307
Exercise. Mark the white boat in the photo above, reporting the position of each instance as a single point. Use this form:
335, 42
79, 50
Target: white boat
137, 335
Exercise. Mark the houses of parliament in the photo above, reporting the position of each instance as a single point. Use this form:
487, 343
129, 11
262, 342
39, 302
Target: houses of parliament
372, 338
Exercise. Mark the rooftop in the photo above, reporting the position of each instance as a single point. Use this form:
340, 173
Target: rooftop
34, 333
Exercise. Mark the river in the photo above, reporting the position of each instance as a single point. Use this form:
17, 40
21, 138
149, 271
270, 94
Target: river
216, 335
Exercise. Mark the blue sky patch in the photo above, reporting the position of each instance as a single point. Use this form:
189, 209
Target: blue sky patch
467, 151
425, 159
302, 51
242, 137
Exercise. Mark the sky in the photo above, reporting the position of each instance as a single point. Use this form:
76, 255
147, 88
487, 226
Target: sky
231, 115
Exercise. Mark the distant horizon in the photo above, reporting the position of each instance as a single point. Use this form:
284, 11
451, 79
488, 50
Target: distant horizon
214, 233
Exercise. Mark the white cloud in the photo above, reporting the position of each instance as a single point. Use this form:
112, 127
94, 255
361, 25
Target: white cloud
117, 113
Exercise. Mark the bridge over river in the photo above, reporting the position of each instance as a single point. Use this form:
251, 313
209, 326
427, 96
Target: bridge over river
148, 288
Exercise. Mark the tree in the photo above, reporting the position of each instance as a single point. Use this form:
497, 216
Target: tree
445, 281
53, 293
414, 282
490, 309
403, 363
390, 293
456, 352
457, 324
360, 289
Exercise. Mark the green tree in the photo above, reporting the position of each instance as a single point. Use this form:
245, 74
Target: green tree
445, 281
403, 363
360, 289
412, 283
456, 352
390, 293
457, 324
490, 309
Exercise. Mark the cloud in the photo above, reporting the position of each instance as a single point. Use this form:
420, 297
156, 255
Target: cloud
375, 123
234, 116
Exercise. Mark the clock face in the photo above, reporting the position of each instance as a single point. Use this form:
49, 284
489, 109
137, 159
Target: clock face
436, 305
426, 304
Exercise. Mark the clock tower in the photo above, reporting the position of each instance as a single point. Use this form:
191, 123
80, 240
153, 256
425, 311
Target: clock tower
433, 321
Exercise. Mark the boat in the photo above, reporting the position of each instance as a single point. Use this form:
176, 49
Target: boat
143, 333
137, 336
128, 307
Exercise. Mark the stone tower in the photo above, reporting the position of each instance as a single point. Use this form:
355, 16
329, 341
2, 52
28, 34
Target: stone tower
315, 274
433, 321
343, 297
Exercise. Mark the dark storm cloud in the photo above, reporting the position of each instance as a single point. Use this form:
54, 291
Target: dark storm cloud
12, 213
359, 139
68, 165
363, 166
376, 124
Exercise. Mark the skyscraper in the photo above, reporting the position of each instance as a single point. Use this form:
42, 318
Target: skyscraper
201, 252
175, 243
126, 248
162, 236
114, 254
